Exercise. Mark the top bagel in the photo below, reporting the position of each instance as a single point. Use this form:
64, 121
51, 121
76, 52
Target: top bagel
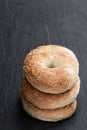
51, 68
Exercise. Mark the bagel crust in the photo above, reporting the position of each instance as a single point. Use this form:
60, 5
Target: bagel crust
51, 68
49, 115
49, 101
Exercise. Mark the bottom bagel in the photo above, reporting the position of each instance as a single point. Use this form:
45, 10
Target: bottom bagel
47, 114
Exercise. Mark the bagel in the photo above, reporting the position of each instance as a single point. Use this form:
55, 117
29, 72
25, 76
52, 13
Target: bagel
49, 101
49, 115
51, 68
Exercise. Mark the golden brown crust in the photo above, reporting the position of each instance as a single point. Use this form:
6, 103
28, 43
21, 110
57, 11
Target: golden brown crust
49, 115
49, 101
51, 68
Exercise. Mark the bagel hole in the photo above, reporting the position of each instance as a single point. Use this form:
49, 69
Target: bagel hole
51, 66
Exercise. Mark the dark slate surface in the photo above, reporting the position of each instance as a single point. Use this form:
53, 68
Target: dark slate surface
25, 24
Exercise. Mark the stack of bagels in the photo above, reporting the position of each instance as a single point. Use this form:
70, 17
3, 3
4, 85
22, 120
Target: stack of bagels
51, 83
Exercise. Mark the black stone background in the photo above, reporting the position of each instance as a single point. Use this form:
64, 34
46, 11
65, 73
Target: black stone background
25, 24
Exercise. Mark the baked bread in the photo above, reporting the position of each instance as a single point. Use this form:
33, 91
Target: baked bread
51, 68
49, 115
49, 101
